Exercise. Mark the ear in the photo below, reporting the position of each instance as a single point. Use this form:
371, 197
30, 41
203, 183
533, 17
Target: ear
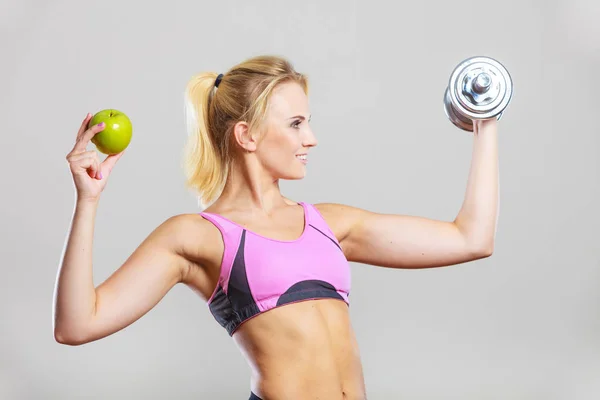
243, 136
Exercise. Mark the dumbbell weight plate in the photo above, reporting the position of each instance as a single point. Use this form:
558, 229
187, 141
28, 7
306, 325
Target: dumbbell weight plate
457, 119
460, 121
462, 101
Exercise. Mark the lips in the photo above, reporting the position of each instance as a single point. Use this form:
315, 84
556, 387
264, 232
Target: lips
302, 158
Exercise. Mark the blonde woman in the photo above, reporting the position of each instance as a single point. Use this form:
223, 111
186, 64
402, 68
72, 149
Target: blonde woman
274, 271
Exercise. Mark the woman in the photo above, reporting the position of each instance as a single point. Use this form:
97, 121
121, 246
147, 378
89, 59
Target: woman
273, 271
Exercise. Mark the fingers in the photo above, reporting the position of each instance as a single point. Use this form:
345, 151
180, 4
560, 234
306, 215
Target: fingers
109, 162
84, 125
79, 159
85, 137
90, 133
86, 161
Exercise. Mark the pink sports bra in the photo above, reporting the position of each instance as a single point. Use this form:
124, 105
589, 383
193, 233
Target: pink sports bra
260, 273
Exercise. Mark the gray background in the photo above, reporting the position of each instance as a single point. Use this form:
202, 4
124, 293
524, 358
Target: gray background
523, 324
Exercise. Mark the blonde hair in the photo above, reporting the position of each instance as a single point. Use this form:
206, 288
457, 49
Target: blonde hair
211, 113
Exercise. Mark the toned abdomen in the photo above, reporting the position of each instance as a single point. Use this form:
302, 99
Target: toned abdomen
303, 350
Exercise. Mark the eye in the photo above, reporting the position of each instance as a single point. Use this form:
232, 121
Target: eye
296, 124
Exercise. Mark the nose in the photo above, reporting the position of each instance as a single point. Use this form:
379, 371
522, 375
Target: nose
310, 139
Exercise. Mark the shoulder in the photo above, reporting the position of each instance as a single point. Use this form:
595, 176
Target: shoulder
182, 226
338, 211
191, 236
340, 218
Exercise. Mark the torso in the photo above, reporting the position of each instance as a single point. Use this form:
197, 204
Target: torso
302, 350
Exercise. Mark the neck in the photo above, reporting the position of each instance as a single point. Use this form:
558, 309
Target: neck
249, 187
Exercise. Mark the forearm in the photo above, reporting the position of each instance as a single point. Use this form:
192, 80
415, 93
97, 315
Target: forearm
478, 215
74, 295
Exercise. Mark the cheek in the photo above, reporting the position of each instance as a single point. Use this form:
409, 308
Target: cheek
278, 151
281, 144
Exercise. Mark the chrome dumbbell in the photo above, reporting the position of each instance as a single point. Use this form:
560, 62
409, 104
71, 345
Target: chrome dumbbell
479, 88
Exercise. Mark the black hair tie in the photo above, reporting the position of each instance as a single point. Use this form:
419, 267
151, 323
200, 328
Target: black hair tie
218, 81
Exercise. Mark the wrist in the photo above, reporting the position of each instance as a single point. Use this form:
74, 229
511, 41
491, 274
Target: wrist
87, 202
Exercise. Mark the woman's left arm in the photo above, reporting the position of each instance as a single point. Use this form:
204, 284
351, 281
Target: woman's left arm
399, 241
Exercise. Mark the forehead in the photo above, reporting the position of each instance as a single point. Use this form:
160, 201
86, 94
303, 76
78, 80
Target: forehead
288, 99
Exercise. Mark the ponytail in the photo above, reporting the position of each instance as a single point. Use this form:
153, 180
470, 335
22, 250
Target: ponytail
204, 166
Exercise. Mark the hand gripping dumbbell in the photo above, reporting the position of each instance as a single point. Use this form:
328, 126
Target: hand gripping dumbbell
479, 88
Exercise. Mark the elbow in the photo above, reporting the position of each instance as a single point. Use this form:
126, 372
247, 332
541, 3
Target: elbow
479, 247
69, 337
483, 250
478, 243
487, 251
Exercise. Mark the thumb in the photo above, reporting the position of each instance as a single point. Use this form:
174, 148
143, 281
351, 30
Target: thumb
110, 161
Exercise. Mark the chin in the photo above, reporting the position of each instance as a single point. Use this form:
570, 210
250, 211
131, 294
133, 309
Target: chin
294, 175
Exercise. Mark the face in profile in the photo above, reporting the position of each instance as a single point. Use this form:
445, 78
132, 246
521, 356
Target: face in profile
284, 145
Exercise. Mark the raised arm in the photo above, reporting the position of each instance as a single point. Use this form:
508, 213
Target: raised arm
82, 313
399, 241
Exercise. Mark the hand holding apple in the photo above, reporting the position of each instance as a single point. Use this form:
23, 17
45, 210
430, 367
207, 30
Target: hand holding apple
89, 173
116, 135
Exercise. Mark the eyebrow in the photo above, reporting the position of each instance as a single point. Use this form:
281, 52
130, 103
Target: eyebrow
301, 117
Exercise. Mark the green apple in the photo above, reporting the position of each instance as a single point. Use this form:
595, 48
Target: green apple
116, 134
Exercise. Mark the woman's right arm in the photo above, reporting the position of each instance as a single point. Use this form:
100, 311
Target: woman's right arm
83, 313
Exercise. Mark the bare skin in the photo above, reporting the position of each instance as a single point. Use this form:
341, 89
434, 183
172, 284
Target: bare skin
304, 350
